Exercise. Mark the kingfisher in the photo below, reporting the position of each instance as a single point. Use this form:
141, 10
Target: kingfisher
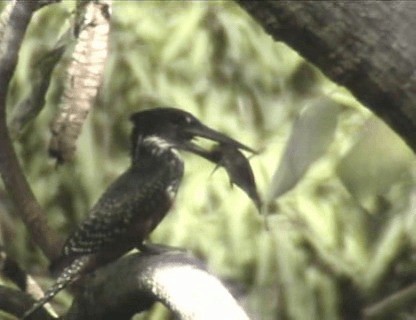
137, 201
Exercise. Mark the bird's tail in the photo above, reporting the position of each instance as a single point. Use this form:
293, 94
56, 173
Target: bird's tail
69, 275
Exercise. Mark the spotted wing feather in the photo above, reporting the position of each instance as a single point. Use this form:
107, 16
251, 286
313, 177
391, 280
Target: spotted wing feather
126, 206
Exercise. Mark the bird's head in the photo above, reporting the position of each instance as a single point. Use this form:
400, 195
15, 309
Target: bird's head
176, 129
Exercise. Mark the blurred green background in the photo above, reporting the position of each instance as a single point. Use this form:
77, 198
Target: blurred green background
339, 185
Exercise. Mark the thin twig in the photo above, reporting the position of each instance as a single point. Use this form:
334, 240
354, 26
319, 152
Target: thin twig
392, 303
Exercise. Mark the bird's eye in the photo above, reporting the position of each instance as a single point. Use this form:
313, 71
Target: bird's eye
188, 119
184, 120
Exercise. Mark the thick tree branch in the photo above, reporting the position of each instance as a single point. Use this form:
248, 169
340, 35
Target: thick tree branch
368, 47
133, 283
11, 172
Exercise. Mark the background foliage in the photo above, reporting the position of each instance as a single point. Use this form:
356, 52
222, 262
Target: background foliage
341, 230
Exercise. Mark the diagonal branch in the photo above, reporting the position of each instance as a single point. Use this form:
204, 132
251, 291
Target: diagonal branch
11, 172
31, 105
391, 304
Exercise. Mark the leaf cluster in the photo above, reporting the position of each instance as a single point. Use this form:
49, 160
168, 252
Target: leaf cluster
337, 182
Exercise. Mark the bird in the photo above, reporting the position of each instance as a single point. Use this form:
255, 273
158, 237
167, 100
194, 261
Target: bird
137, 201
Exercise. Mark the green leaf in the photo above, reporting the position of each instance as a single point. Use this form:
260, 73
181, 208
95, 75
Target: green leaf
311, 134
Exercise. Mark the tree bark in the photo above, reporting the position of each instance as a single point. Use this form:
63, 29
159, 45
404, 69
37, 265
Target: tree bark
369, 47
176, 279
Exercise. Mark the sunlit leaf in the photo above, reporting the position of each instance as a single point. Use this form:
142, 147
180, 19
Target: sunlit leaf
311, 134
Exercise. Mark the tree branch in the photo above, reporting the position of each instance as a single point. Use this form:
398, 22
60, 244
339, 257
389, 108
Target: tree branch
368, 47
133, 283
11, 172
31, 105
391, 304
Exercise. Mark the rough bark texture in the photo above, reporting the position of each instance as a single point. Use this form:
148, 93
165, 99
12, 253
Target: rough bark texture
369, 47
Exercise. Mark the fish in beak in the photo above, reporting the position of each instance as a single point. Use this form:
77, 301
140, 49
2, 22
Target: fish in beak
226, 154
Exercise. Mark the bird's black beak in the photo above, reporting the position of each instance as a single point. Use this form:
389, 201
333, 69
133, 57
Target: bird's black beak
227, 155
202, 131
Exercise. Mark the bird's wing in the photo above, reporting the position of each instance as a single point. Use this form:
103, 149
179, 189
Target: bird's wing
128, 200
